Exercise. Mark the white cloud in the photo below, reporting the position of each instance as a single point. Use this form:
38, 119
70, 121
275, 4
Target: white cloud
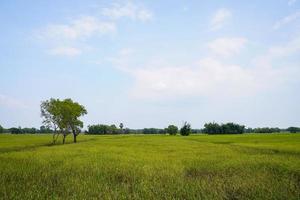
65, 51
227, 46
128, 10
210, 76
291, 2
278, 52
286, 20
220, 18
83, 27
62, 37
11, 103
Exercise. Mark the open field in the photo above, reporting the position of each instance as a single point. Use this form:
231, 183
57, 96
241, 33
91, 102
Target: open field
265, 166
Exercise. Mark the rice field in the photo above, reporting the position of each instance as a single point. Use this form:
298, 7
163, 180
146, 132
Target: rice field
249, 166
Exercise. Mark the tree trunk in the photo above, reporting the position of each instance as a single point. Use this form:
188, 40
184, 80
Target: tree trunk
75, 136
64, 138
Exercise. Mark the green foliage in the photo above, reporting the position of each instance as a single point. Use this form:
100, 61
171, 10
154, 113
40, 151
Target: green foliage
228, 128
266, 130
185, 129
172, 129
151, 131
63, 115
293, 129
15, 130
256, 166
121, 126
102, 129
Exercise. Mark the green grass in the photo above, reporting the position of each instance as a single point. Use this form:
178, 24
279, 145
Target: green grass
262, 166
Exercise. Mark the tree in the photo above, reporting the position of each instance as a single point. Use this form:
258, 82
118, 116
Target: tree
228, 128
63, 115
185, 129
121, 126
15, 130
172, 129
293, 129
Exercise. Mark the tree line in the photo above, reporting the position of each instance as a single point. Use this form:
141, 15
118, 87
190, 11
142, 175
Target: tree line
62, 117
209, 128
20, 130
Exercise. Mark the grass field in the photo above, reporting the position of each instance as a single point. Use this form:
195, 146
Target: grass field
265, 166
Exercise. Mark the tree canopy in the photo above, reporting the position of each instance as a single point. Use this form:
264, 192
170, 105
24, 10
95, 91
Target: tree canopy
185, 129
63, 117
228, 128
171, 129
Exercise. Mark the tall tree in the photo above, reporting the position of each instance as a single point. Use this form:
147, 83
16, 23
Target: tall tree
186, 129
63, 115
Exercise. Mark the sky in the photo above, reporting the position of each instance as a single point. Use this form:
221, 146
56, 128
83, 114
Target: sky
152, 63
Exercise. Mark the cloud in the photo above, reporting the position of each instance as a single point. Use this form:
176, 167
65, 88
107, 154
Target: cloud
227, 46
128, 10
278, 52
11, 103
210, 76
291, 2
81, 28
286, 20
62, 37
219, 19
65, 51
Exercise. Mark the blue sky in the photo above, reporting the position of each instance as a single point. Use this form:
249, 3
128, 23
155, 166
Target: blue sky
152, 63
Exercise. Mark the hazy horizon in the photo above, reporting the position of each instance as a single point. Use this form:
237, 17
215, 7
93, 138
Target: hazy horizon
152, 63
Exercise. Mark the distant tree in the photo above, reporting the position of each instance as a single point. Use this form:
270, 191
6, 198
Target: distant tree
126, 131
293, 129
266, 130
212, 128
185, 129
171, 129
29, 130
15, 130
121, 126
228, 128
44, 129
1, 129
151, 131
113, 129
102, 129
63, 115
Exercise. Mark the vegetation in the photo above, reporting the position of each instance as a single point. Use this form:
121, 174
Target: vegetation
102, 129
266, 130
256, 166
63, 115
293, 129
185, 129
228, 128
171, 129
1, 129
